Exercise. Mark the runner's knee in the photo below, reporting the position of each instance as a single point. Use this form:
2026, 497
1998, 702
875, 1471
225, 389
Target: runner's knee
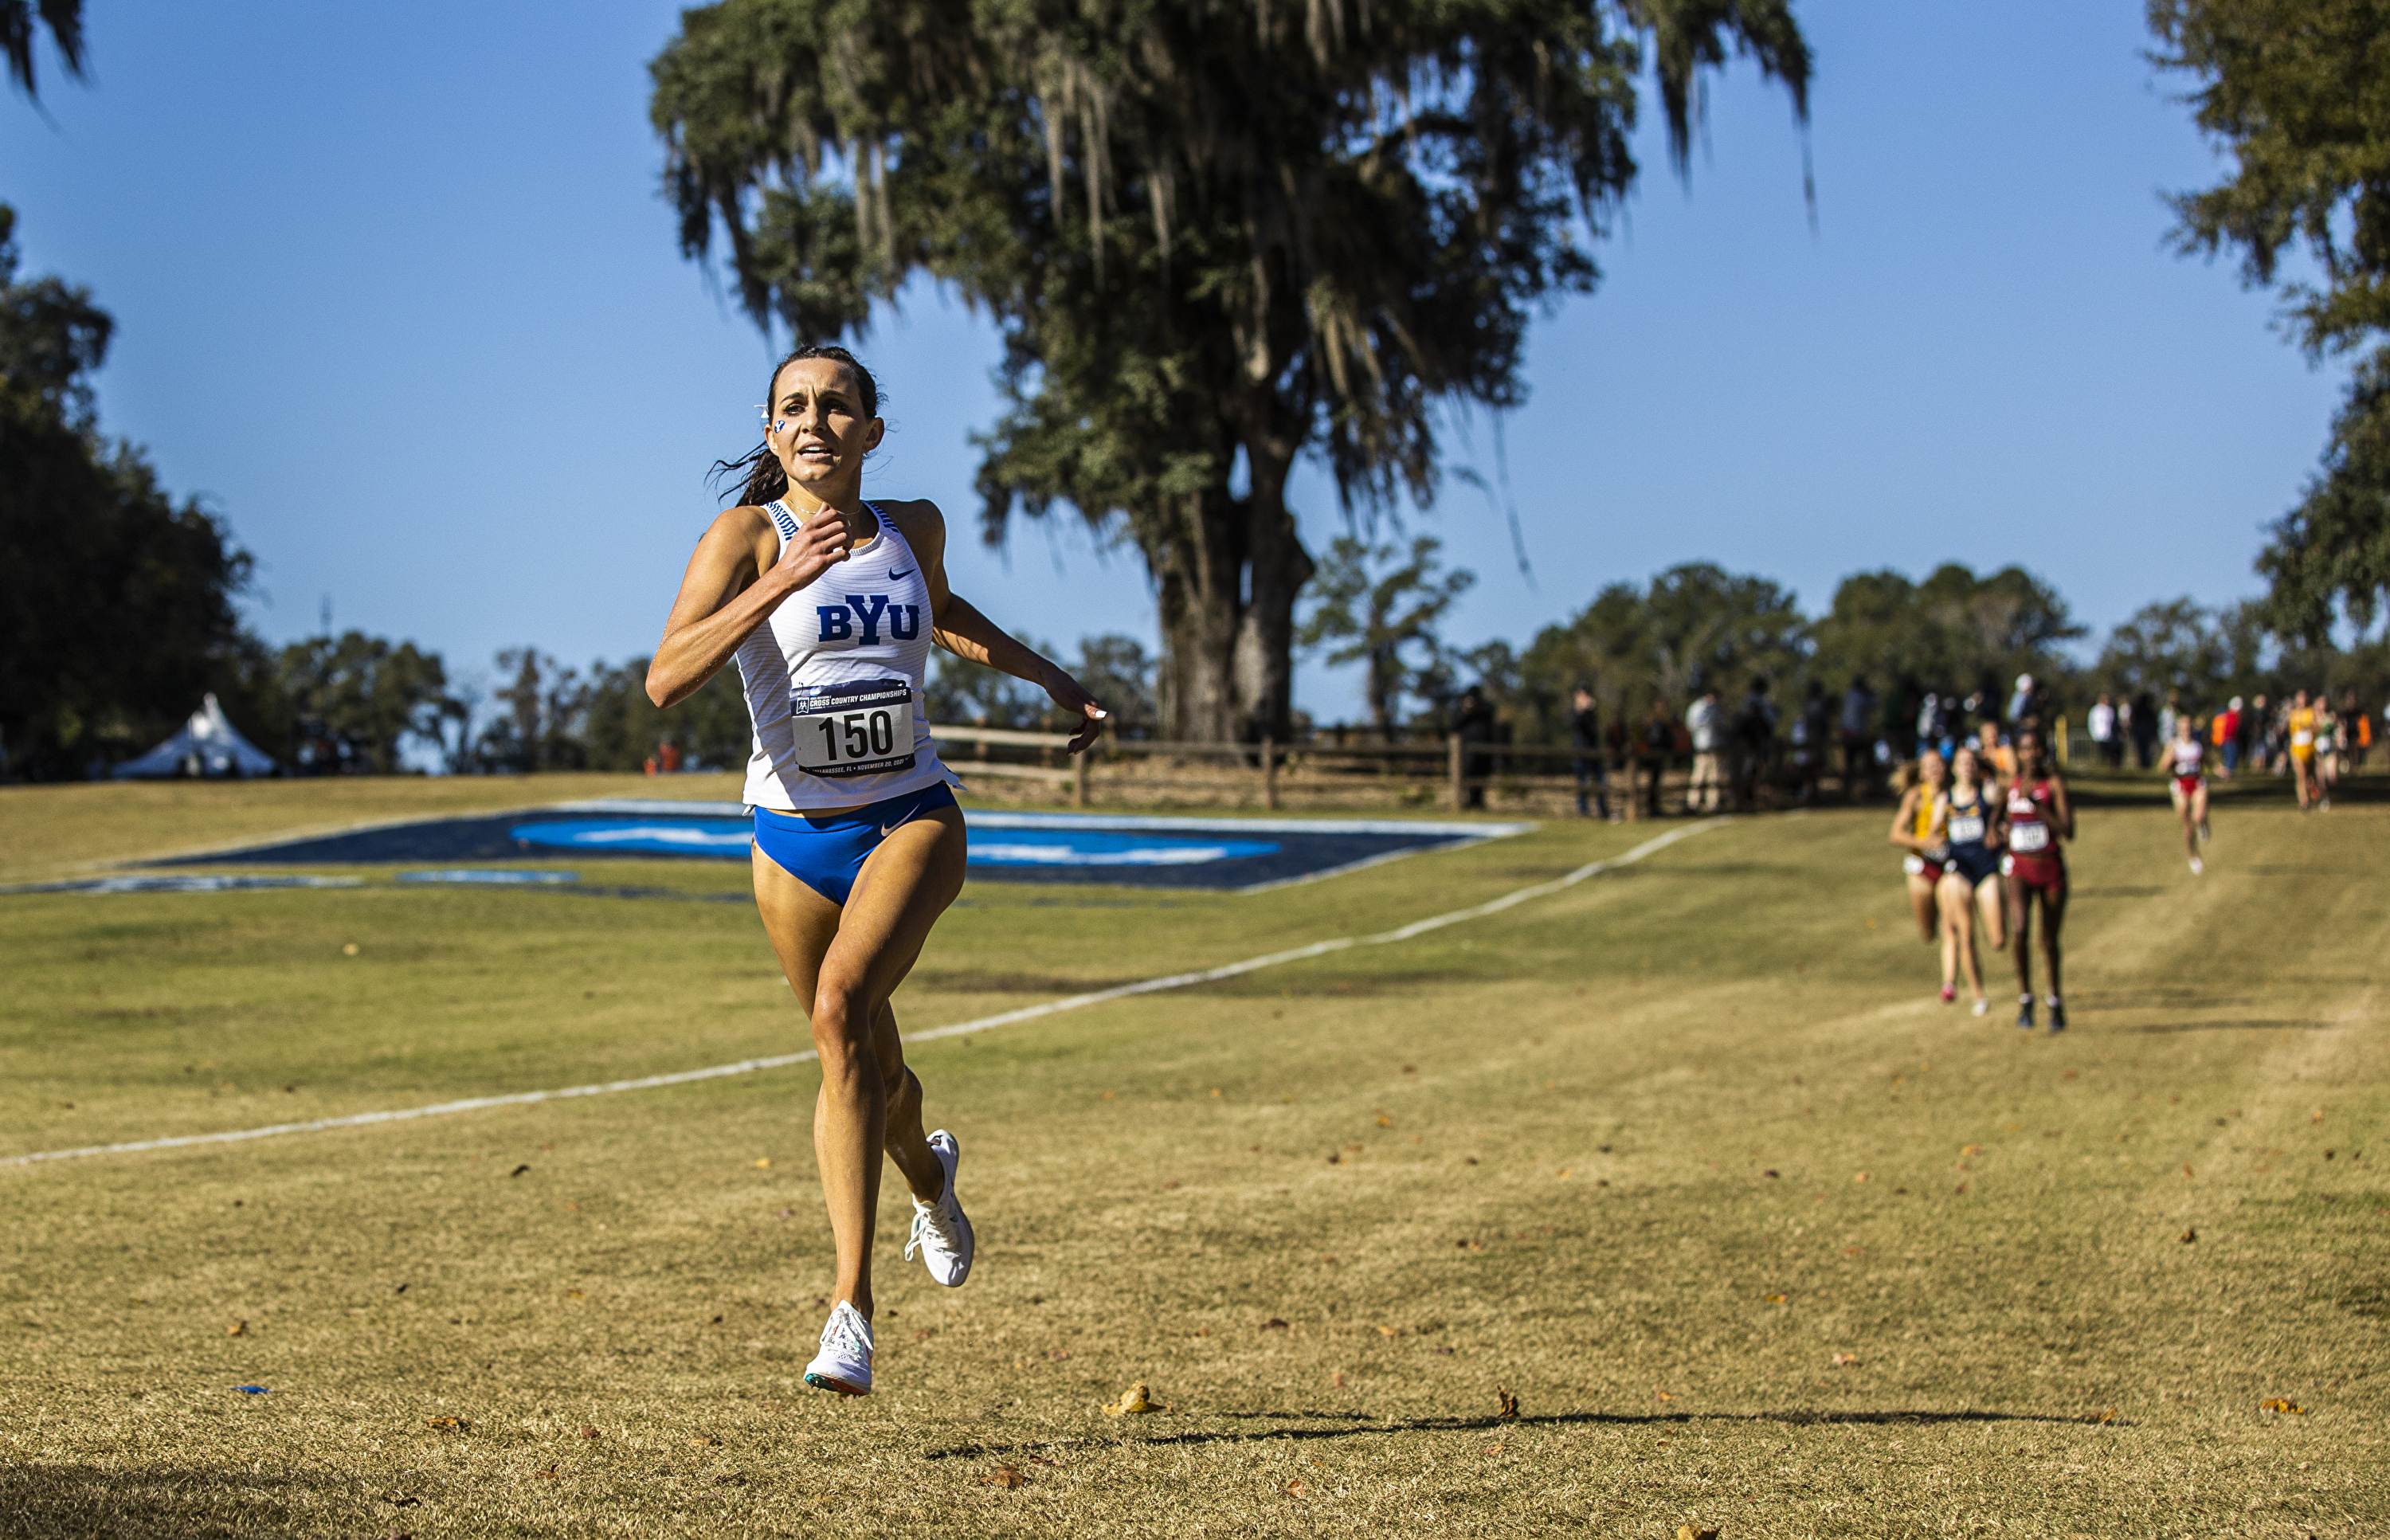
841, 1014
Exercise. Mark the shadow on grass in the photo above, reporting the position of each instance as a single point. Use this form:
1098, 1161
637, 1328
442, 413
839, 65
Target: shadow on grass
1362, 1425
57, 1502
2243, 1025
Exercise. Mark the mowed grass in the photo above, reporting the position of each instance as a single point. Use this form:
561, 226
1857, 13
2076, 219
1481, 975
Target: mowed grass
1648, 1155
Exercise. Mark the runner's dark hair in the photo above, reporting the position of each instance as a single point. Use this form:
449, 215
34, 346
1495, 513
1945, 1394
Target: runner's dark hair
758, 474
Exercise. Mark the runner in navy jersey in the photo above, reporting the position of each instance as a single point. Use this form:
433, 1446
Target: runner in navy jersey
830, 603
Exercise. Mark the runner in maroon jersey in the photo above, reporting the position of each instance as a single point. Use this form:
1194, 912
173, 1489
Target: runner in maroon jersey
2039, 816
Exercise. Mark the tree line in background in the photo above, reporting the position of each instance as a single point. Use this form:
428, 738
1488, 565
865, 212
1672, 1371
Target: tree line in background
1353, 245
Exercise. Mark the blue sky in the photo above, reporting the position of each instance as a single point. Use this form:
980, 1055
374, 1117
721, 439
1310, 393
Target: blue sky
395, 290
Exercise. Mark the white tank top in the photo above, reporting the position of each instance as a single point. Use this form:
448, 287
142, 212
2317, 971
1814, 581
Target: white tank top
831, 672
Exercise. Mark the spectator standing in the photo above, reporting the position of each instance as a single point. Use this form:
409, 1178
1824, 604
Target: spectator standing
1585, 736
1754, 744
2166, 713
1659, 744
2021, 699
1472, 723
2144, 729
2226, 731
1702, 722
1811, 730
2254, 726
1858, 740
2102, 720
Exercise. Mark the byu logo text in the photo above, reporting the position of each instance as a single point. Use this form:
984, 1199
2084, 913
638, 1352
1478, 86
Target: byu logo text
838, 620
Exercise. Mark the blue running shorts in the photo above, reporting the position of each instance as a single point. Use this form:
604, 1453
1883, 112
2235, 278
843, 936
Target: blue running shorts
826, 852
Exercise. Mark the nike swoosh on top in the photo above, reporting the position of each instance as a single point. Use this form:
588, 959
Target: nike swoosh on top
906, 573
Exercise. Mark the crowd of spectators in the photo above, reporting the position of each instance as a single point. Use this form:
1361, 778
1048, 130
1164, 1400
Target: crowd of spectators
1755, 753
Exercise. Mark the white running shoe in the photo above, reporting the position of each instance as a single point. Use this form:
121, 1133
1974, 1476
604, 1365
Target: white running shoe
1982, 1006
939, 1232
2197, 866
844, 1362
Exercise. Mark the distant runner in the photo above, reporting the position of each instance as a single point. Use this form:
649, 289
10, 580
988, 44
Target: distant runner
1913, 830
2186, 755
2038, 817
1970, 882
2301, 726
830, 603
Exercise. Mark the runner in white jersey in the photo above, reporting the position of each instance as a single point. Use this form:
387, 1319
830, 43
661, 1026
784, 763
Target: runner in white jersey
830, 604
2185, 758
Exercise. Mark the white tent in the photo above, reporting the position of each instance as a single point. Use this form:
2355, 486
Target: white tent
206, 745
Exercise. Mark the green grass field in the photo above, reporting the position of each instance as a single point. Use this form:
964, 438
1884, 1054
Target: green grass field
1651, 1155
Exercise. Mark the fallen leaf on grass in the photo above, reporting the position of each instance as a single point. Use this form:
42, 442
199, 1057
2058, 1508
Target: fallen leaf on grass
1295, 1488
2289, 1408
1507, 1405
1336, 1380
399, 1500
1844, 1360
1005, 1476
1771, 1173
1135, 1401
1663, 1395
1385, 1121
1273, 1324
1687, 1532
1780, 1299
1390, 1332
1494, 1449
1864, 1176
764, 1163
519, 1170
1971, 1149
456, 1424
577, 1294
731, 1477
708, 1443
588, 1433
238, 1328
547, 1475
2188, 1237
2108, 1416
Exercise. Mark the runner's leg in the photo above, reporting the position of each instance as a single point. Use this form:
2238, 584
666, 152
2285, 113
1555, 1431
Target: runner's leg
1992, 911
2053, 918
1959, 907
867, 1093
2020, 934
1927, 906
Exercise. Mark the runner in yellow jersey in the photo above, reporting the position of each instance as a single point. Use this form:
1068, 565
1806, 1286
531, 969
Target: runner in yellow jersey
2301, 725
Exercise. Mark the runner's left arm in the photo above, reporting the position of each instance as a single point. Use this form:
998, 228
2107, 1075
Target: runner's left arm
957, 624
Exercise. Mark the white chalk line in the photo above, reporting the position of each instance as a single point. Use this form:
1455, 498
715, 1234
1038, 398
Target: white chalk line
960, 1029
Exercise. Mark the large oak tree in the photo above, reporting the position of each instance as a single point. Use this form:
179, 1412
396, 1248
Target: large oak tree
1215, 236
2296, 93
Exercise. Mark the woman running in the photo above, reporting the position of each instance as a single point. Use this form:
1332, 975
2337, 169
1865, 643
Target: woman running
1913, 830
822, 598
2186, 755
1970, 882
2038, 817
2301, 726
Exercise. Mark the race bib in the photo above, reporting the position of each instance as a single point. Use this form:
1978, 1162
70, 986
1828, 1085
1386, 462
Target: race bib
2302, 739
2028, 838
1967, 828
861, 727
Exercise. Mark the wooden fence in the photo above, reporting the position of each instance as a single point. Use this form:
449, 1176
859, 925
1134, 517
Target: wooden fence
1269, 773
